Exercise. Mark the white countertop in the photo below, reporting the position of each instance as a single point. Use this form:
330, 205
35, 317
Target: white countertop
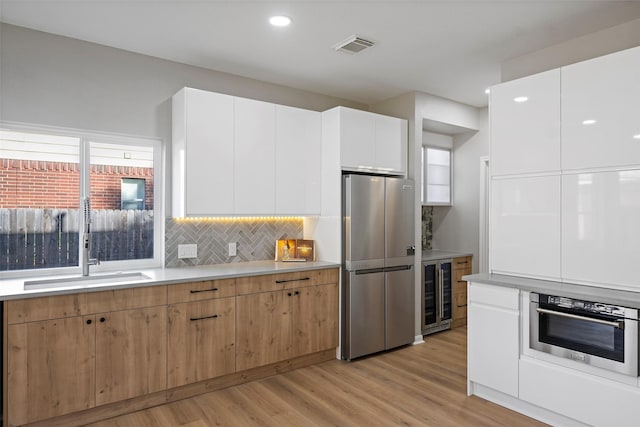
621, 297
434, 254
14, 288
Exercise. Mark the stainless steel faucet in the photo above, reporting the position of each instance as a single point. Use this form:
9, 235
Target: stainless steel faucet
86, 239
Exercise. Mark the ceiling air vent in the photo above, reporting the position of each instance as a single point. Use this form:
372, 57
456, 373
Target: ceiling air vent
353, 44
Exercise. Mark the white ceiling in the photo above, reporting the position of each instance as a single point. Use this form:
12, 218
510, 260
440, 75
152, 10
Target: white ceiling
449, 48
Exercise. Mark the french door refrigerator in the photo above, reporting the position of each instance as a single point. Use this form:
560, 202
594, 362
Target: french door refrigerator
378, 260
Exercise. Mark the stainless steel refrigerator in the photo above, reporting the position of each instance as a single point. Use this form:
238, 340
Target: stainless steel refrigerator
378, 297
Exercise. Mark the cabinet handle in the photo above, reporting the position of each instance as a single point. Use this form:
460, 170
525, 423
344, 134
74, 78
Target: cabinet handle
462, 281
193, 319
203, 290
102, 320
293, 280
463, 305
296, 293
289, 293
88, 321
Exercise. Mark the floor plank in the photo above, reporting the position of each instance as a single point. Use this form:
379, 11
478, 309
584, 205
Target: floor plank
422, 385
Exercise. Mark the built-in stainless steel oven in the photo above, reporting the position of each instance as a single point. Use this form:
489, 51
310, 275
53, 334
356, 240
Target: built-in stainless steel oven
601, 335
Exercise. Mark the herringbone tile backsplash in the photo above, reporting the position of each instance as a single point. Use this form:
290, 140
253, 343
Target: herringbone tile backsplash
255, 239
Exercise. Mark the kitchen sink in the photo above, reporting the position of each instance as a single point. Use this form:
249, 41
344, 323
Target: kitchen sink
87, 281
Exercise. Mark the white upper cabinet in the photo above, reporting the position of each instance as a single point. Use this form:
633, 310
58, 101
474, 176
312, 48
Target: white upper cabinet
601, 227
254, 157
372, 142
525, 226
238, 156
298, 151
601, 111
525, 125
202, 156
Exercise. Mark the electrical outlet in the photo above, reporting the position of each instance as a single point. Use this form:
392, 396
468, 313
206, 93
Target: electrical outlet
232, 249
188, 251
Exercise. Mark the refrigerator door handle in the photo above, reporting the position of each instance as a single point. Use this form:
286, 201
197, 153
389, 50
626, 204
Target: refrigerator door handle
369, 271
398, 268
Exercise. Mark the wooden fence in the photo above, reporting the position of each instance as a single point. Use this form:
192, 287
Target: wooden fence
47, 238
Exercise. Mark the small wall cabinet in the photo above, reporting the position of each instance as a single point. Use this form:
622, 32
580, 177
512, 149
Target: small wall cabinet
368, 142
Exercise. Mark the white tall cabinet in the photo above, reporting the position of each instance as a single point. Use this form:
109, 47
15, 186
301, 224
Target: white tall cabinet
565, 167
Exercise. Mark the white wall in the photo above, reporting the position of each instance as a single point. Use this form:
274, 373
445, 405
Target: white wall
457, 227
619, 37
52, 80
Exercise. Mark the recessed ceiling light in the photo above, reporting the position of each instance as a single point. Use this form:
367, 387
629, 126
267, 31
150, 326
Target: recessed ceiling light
588, 122
637, 136
280, 21
521, 99
487, 90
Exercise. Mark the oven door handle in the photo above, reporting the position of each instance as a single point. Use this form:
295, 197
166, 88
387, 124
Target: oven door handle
618, 324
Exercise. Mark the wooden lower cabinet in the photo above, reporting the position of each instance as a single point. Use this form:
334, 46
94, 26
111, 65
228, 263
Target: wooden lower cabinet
131, 353
461, 267
50, 368
101, 354
201, 338
274, 326
315, 319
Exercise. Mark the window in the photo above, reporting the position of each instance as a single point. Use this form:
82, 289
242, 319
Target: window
436, 176
43, 177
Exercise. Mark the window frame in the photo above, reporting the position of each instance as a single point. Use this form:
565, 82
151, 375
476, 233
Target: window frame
85, 138
424, 195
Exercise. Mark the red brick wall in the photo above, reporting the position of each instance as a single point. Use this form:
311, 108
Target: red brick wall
38, 184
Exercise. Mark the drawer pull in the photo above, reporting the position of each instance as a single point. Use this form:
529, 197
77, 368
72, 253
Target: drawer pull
203, 290
462, 306
193, 319
462, 281
293, 280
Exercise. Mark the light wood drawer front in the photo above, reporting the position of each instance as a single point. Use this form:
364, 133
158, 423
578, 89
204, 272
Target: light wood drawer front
55, 307
457, 276
462, 262
276, 282
197, 291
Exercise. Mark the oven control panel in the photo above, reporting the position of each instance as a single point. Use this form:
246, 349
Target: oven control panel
588, 306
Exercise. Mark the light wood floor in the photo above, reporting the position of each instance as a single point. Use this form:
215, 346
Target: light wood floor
423, 385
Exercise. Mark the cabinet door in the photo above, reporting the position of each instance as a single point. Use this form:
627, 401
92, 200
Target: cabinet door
390, 143
263, 328
493, 338
315, 319
357, 139
206, 160
525, 226
297, 161
131, 353
254, 157
605, 90
525, 135
50, 368
201, 340
601, 228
